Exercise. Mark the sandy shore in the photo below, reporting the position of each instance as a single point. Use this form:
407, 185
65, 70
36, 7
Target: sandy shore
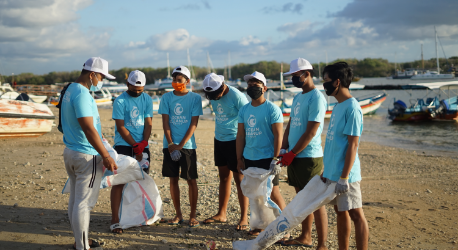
410, 198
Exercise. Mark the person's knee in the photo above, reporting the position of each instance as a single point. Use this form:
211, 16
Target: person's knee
356, 215
192, 182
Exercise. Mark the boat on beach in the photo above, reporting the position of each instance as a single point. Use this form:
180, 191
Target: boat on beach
101, 97
369, 104
24, 119
433, 108
6, 92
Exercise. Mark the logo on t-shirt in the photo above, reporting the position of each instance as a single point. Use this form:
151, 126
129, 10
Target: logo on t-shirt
297, 108
219, 108
134, 113
178, 109
67, 96
330, 134
251, 121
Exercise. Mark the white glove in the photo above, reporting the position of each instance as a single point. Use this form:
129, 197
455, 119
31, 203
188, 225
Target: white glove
342, 186
283, 151
274, 168
175, 155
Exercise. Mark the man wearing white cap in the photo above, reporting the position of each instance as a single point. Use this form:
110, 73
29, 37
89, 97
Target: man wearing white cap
84, 155
302, 140
259, 135
226, 102
133, 114
180, 110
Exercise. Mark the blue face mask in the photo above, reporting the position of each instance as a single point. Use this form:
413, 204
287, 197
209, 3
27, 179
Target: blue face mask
96, 88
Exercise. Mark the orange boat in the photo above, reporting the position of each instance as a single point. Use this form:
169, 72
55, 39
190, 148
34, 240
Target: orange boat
24, 119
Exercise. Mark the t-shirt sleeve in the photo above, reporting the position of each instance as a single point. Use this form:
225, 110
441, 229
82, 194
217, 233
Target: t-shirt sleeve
83, 105
118, 109
149, 107
240, 115
197, 107
354, 123
276, 115
164, 106
317, 110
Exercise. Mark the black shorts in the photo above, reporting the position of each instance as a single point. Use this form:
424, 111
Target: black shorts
129, 151
264, 164
225, 153
187, 162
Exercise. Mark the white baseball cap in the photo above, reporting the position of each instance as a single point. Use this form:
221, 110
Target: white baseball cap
298, 65
256, 75
183, 70
137, 78
212, 82
99, 65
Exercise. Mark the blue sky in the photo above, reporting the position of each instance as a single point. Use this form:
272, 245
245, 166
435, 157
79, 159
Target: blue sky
41, 36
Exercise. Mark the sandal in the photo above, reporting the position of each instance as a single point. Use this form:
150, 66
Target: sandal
207, 221
255, 232
240, 227
195, 225
116, 226
175, 223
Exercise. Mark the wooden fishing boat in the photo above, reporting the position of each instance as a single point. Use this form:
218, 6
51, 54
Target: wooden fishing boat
24, 119
369, 105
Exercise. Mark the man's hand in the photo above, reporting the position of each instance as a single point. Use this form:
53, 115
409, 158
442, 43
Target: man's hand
240, 166
174, 147
109, 163
139, 157
342, 186
274, 168
323, 179
286, 159
139, 147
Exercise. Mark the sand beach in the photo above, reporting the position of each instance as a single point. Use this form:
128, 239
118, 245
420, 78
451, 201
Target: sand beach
410, 198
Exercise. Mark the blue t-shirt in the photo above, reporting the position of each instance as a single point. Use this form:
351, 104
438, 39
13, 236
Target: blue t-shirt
78, 103
227, 110
346, 119
259, 137
180, 110
307, 107
133, 110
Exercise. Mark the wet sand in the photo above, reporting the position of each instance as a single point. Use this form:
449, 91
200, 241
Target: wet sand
410, 198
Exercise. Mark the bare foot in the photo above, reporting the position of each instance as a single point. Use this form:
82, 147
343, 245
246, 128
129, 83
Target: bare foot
242, 225
297, 242
193, 222
175, 220
216, 219
255, 232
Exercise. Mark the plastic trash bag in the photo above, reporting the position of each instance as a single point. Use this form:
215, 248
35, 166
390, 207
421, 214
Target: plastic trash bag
257, 186
129, 169
141, 204
314, 195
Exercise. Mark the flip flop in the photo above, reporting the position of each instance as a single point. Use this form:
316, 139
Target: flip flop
255, 232
116, 226
176, 223
214, 221
299, 244
196, 225
241, 227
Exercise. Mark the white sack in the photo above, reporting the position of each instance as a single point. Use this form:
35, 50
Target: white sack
141, 203
314, 195
128, 170
257, 186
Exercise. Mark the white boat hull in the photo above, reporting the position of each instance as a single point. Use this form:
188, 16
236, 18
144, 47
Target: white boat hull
24, 119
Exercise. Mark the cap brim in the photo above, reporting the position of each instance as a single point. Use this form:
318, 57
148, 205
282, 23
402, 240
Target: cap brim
290, 72
108, 76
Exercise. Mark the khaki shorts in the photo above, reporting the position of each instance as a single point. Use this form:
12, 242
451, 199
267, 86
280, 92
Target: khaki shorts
350, 200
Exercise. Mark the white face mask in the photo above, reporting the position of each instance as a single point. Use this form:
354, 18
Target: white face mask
96, 88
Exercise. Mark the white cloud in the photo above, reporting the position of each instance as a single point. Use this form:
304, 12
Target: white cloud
174, 40
293, 28
249, 40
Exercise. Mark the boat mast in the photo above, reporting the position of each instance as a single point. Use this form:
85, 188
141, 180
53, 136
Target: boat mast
422, 61
319, 70
437, 56
395, 69
191, 69
209, 64
326, 57
230, 75
168, 66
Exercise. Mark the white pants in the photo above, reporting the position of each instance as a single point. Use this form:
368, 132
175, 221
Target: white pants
85, 174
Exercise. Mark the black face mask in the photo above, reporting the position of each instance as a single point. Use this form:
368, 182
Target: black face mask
134, 94
329, 88
254, 92
297, 81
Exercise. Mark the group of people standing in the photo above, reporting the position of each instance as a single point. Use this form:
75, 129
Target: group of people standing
247, 135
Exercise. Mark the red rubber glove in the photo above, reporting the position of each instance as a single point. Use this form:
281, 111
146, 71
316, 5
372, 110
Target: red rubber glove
287, 158
139, 147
